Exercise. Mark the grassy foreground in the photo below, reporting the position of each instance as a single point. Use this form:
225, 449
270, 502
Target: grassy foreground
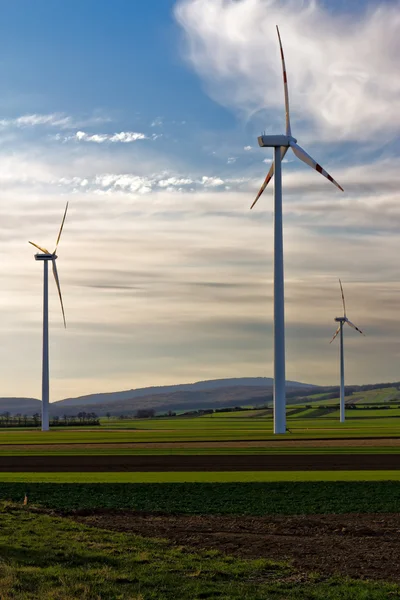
251, 498
199, 476
55, 559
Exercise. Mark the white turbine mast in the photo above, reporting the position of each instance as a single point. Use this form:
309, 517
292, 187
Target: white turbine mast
47, 256
342, 321
281, 144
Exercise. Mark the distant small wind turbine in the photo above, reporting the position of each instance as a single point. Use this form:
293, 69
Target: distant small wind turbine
342, 321
281, 144
46, 256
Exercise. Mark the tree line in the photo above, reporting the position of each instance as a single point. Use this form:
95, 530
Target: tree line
35, 420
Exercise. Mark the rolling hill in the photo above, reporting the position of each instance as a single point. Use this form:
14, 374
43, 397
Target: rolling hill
203, 394
264, 383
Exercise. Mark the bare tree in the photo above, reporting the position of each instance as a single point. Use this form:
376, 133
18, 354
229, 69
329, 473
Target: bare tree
145, 413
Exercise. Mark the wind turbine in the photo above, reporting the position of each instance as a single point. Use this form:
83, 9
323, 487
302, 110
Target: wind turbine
47, 256
281, 144
342, 321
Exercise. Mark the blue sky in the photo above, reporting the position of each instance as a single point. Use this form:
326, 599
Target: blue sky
123, 59
144, 115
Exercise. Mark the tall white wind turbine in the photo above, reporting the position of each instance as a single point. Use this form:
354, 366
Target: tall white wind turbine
47, 256
281, 144
342, 321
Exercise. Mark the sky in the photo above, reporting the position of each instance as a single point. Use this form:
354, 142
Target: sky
144, 116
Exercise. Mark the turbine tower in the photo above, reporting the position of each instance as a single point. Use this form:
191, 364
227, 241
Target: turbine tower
281, 144
342, 321
47, 256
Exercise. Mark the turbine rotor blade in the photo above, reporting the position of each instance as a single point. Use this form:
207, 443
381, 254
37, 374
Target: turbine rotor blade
306, 158
344, 305
337, 331
285, 86
354, 327
55, 273
270, 175
61, 228
40, 248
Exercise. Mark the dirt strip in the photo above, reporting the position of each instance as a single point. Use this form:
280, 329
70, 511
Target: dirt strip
273, 444
255, 462
361, 546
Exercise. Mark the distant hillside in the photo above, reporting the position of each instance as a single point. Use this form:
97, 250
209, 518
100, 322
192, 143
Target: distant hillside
24, 406
175, 401
203, 394
200, 386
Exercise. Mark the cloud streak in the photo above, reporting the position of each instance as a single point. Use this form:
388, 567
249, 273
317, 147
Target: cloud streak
32, 120
57, 119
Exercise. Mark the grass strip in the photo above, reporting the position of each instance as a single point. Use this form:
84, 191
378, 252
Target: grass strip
279, 449
200, 476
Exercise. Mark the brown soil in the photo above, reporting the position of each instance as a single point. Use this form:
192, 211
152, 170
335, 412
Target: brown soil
275, 444
255, 462
361, 546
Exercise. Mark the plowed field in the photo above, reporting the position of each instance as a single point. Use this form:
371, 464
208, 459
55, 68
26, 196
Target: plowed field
363, 546
104, 463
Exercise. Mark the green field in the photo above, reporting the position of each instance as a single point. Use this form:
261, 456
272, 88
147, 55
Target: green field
381, 395
360, 423
251, 497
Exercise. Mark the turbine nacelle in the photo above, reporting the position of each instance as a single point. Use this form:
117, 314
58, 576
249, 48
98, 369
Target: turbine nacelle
273, 141
340, 319
45, 256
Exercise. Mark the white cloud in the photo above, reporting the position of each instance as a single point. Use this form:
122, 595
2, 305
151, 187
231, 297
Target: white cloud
126, 182
247, 148
127, 137
342, 68
270, 160
100, 138
231, 160
157, 122
174, 181
132, 184
211, 181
